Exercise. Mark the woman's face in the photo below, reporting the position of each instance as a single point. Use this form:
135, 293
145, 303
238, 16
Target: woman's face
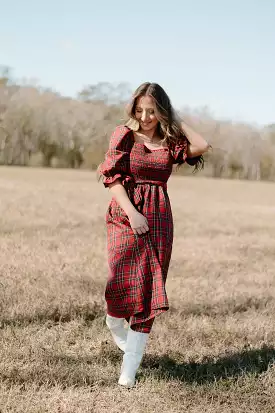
145, 113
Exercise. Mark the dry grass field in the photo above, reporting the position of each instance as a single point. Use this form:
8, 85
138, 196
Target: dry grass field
214, 350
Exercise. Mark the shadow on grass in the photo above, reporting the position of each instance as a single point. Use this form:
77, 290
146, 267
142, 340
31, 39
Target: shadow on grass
100, 367
233, 366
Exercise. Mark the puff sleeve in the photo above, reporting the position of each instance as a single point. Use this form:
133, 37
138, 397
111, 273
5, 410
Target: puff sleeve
117, 159
179, 153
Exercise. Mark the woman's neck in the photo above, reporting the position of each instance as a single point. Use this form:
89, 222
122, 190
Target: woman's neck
150, 135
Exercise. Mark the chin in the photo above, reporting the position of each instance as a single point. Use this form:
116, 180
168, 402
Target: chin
148, 127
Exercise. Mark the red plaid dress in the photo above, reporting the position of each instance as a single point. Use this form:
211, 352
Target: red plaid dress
139, 263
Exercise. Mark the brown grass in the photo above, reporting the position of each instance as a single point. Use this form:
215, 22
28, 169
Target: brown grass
212, 352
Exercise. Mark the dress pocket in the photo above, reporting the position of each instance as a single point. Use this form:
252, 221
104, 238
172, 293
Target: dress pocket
116, 215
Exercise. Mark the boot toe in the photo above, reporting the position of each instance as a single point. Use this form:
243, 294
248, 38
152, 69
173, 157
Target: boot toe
126, 382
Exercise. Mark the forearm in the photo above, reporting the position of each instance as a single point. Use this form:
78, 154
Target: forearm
198, 145
119, 193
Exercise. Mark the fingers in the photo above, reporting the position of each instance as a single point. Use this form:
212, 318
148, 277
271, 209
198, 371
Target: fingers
145, 228
141, 230
139, 224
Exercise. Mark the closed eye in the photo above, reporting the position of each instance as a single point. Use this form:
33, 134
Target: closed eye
151, 111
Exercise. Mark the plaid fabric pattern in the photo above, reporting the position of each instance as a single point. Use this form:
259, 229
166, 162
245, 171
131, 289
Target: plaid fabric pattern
139, 264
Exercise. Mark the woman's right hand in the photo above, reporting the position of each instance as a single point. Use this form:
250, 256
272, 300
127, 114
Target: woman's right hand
138, 222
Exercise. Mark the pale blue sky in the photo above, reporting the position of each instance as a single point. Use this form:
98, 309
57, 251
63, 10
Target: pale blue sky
219, 53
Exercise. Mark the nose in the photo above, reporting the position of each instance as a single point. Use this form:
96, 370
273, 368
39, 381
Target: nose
144, 116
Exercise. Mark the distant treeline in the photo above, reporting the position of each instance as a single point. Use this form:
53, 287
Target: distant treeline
39, 127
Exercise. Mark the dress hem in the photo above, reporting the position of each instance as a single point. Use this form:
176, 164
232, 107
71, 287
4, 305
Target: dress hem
157, 311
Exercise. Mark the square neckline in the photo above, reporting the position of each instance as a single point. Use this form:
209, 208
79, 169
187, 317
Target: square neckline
145, 146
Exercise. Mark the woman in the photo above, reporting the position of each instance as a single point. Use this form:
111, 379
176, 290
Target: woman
139, 219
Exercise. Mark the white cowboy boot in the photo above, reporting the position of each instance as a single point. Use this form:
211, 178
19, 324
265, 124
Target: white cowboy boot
119, 333
135, 346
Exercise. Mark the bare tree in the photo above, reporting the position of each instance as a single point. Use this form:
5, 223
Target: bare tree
75, 133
